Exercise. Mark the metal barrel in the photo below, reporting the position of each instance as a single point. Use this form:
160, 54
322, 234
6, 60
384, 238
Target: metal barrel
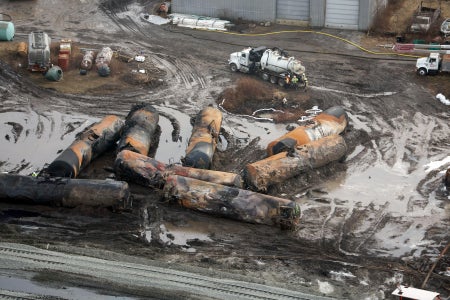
203, 141
64, 191
231, 202
284, 165
332, 121
139, 130
7, 31
88, 59
22, 49
147, 171
94, 141
55, 73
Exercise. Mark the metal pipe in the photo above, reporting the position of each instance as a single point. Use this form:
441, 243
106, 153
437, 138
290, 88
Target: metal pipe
95, 140
331, 121
231, 202
203, 141
282, 166
64, 191
139, 130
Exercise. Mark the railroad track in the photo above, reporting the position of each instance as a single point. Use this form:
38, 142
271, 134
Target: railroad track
141, 276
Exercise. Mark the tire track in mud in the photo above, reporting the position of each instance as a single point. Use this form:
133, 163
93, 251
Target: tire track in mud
143, 276
182, 72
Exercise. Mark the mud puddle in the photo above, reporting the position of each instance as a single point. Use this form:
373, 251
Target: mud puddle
16, 284
30, 140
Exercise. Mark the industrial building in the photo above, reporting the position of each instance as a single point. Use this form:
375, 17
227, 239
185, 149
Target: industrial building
343, 14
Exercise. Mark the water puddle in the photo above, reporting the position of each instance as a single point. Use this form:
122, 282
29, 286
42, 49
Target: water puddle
30, 140
191, 232
170, 150
20, 285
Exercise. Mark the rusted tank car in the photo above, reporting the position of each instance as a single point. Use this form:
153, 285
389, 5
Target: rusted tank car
147, 171
231, 202
139, 130
64, 191
203, 141
284, 165
332, 121
94, 141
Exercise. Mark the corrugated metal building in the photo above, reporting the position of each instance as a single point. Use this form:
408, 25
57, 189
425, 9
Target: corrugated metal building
344, 14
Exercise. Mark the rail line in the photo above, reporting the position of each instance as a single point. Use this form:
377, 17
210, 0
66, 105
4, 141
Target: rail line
142, 275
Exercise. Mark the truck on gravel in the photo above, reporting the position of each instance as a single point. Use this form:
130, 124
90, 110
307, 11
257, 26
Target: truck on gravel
433, 64
424, 17
274, 65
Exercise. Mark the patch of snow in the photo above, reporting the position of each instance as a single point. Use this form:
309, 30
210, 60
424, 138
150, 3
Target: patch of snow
325, 287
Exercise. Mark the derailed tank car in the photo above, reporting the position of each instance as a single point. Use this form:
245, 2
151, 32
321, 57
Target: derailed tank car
203, 141
334, 120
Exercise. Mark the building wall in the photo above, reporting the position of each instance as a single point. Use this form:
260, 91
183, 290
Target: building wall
295, 12
344, 14
252, 10
317, 13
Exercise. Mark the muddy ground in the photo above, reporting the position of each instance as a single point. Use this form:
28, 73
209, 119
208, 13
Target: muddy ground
378, 218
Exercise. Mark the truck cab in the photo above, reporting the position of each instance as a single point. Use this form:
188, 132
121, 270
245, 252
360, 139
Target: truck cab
246, 60
428, 65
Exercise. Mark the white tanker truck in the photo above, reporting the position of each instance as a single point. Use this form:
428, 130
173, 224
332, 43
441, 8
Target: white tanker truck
271, 64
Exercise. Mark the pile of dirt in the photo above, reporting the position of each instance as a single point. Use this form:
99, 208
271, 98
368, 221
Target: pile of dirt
251, 94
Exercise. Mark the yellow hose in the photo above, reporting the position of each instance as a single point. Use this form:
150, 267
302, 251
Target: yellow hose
317, 32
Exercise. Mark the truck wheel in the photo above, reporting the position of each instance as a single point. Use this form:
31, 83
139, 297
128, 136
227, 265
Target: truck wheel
281, 82
233, 67
422, 71
273, 79
265, 76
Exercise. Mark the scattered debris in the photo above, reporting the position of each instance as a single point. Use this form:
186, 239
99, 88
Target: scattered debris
332, 121
443, 99
406, 292
157, 20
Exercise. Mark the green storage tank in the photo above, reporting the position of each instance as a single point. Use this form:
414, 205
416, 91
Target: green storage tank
55, 73
6, 31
